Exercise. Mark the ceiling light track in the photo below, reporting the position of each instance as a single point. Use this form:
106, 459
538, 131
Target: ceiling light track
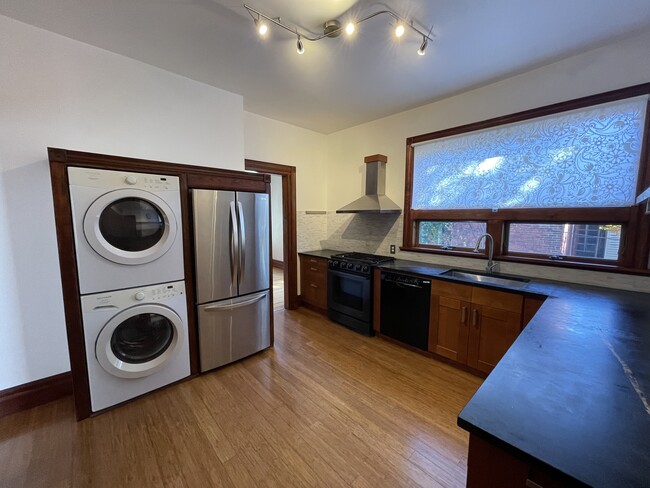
332, 28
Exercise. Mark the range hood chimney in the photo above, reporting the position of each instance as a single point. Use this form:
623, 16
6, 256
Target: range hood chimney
375, 200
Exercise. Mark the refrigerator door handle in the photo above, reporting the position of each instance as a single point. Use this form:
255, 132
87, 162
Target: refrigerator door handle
234, 245
230, 306
242, 242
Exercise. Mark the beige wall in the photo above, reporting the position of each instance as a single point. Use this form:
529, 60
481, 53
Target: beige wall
277, 142
617, 65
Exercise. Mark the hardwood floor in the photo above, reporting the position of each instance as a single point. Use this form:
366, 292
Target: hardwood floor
325, 407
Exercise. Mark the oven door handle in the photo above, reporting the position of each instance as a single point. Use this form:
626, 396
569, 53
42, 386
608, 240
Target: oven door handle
349, 275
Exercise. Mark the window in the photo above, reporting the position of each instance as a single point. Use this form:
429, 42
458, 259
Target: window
560, 241
450, 235
553, 185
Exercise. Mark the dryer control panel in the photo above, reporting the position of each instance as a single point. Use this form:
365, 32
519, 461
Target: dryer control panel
120, 299
110, 180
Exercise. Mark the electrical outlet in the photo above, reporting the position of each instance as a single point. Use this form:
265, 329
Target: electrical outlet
392, 248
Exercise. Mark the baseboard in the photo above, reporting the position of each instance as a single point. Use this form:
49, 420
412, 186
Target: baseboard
29, 395
277, 264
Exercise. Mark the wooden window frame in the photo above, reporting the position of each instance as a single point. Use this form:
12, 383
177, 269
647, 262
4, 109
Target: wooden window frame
635, 223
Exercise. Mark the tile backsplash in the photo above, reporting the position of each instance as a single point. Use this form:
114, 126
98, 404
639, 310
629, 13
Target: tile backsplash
374, 233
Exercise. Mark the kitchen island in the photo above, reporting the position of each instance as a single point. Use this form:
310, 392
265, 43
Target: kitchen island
568, 405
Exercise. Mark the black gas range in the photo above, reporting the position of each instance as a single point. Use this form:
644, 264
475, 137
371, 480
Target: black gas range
349, 289
357, 262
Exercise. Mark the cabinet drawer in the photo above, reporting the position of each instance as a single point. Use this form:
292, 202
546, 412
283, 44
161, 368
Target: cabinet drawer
314, 272
315, 293
313, 267
498, 299
449, 289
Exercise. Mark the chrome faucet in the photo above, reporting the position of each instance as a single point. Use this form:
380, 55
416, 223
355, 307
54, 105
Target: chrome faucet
491, 266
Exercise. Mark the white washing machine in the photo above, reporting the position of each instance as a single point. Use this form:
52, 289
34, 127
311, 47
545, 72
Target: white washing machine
127, 229
136, 341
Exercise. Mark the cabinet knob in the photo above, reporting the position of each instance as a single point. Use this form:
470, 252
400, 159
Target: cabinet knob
313, 269
463, 315
313, 285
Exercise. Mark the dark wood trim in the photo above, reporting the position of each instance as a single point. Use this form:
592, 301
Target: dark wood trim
70, 284
541, 215
106, 161
277, 264
290, 257
188, 266
39, 392
375, 157
610, 96
530, 260
189, 176
636, 224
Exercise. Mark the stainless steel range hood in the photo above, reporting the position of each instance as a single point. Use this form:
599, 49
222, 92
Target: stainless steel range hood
375, 200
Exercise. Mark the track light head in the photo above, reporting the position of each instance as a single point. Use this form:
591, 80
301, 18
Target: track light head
423, 46
261, 27
332, 28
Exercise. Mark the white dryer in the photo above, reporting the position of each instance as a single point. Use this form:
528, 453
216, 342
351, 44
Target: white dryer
136, 341
127, 228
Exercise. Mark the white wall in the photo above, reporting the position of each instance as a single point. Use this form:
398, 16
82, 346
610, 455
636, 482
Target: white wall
277, 142
58, 92
617, 65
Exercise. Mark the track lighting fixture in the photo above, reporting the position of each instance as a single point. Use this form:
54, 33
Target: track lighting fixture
423, 46
332, 28
261, 26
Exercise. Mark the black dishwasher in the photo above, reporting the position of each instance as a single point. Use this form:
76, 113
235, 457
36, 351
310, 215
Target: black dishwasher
405, 304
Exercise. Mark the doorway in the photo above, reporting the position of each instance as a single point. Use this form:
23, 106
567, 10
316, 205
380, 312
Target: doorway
289, 231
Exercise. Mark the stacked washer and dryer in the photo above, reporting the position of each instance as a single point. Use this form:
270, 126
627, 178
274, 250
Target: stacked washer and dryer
129, 248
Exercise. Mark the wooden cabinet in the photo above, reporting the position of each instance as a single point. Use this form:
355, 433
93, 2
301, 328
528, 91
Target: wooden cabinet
471, 325
313, 281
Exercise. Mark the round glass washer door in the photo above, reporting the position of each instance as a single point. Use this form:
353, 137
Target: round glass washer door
130, 226
139, 341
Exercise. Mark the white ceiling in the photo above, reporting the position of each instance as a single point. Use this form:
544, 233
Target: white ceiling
339, 83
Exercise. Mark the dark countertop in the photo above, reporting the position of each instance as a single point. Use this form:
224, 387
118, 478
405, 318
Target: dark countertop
323, 253
573, 391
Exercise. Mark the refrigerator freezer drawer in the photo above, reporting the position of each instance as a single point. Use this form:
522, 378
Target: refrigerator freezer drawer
233, 329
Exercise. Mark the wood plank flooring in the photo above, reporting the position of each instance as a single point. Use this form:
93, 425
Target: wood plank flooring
325, 407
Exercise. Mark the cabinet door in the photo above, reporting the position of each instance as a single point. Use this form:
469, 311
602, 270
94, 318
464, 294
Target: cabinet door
492, 332
449, 319
449, 332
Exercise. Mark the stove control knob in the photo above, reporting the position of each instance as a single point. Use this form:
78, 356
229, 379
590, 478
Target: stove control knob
365, 269
139, 296
350, 266
130, 180
357, 267
342, 265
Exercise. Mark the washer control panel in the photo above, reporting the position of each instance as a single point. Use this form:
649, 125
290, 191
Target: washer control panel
120, 299
112, 180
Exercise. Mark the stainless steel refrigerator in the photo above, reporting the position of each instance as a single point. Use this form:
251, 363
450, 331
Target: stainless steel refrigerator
231, 244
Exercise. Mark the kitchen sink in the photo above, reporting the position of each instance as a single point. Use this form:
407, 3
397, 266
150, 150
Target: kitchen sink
491, 279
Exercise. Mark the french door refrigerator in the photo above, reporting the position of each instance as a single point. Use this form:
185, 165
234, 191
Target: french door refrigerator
232, 260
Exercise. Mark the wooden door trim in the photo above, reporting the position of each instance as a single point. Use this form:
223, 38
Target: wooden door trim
289, 239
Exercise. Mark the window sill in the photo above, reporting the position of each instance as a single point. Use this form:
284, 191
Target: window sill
603, 268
